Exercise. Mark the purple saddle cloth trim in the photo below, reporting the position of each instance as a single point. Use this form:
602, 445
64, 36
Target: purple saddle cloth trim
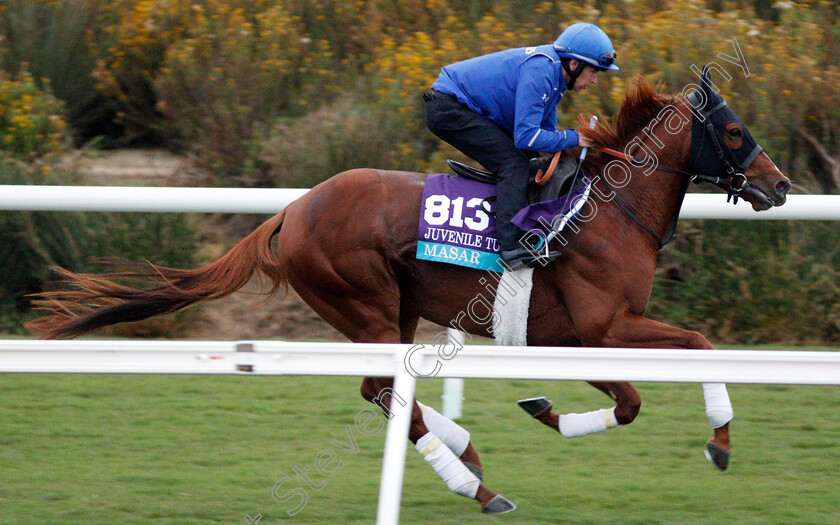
544, 215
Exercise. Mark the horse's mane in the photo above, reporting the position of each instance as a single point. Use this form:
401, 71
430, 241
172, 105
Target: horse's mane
640, 105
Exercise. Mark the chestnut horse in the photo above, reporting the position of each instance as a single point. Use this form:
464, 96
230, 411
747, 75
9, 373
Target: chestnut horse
348, 248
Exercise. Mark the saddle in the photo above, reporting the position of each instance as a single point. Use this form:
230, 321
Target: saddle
561, 182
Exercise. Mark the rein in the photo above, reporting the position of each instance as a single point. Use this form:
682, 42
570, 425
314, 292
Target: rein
736, 182
672, 226
697, 178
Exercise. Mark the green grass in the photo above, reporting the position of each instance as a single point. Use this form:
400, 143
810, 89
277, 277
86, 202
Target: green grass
193, 449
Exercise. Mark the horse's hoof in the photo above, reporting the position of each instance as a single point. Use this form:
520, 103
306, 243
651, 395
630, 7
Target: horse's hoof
535, 405
717, 456
476, 470
498, 505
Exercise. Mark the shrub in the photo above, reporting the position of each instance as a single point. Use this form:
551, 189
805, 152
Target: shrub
29, 241
129, 45
209, 70
31, 124
50, 39
232, 75
303, 152
751, 281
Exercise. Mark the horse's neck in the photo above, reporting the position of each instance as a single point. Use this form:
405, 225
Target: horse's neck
652, 195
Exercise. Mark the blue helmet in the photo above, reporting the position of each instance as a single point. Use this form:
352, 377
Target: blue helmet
589, 43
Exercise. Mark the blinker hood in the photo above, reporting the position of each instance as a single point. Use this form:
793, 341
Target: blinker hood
710, 155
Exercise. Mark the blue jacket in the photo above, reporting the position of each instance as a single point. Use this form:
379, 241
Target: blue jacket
518, 90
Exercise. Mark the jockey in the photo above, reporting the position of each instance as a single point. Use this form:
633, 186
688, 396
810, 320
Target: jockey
501, 110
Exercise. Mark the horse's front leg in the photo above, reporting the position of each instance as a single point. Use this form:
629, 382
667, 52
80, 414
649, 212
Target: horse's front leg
628, 330
627, 405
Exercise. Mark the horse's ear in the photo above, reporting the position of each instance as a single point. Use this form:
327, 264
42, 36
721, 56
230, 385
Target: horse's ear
708, 89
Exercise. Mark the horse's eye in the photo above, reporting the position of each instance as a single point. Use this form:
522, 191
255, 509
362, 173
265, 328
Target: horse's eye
734, 132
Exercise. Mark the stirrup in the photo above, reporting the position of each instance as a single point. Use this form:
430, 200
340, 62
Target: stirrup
546, 258
536, 164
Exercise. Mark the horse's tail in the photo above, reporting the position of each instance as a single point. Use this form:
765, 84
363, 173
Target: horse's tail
105, 299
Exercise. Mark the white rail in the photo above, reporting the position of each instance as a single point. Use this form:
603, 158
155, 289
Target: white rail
145, 199
473, 361
272, 200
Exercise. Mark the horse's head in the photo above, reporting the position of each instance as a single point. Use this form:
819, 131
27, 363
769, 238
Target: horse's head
723, 152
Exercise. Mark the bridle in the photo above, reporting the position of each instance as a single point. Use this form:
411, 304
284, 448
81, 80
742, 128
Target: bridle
734, 183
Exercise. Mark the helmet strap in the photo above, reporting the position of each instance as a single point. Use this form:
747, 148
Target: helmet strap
573, 74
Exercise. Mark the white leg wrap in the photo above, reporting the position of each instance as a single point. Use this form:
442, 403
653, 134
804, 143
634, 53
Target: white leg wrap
453, 435
457, 477
718, 405
576, 425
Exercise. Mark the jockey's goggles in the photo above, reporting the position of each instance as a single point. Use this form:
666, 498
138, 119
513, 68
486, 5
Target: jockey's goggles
607, 59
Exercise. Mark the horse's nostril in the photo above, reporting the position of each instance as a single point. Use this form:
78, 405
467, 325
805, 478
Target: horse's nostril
782, 187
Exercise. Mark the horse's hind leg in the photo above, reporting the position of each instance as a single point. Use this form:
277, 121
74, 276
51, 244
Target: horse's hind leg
458, 476
431, 428
451, 433
360, 298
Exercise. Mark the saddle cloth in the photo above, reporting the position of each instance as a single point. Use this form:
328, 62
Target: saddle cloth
458, 223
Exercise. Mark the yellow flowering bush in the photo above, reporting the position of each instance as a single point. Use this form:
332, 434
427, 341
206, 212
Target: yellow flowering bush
233, 72
211, 73
129, 46
217, 73
788, 65
49, 38
31, 122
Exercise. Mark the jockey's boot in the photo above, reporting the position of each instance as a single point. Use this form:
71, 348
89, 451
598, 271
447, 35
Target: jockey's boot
511, 196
